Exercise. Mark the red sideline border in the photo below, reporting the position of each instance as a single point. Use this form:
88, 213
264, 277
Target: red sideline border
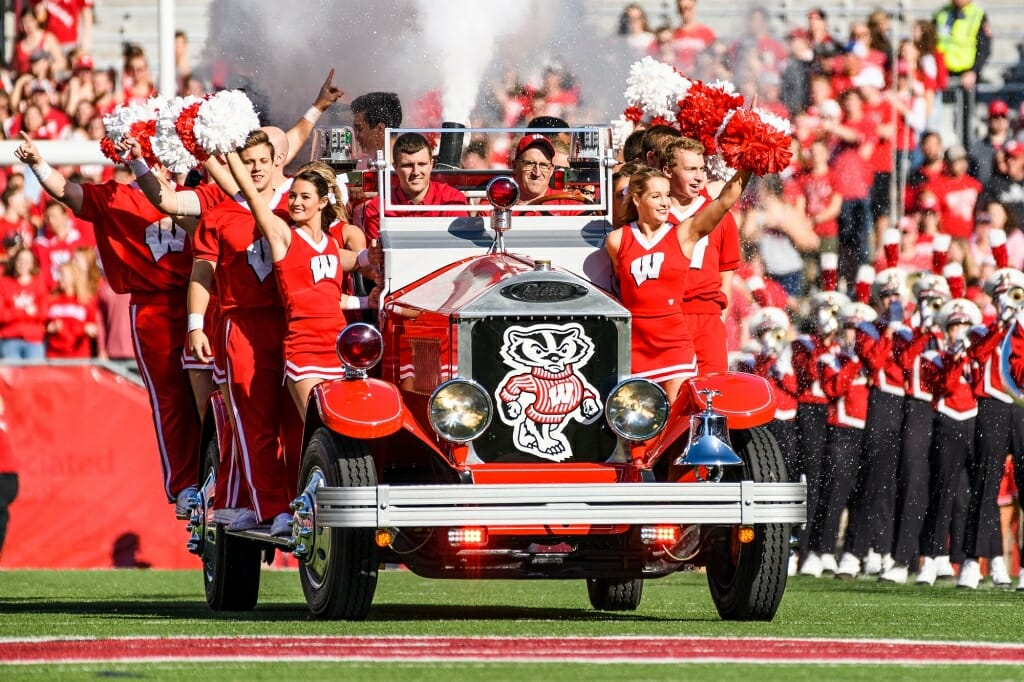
509, 649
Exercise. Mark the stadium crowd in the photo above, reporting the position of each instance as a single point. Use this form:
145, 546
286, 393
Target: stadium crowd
874, 179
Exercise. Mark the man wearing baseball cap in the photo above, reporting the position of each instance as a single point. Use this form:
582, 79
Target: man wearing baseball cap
983, 151
533, 166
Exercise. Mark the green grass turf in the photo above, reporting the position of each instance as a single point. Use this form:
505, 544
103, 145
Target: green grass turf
154, 603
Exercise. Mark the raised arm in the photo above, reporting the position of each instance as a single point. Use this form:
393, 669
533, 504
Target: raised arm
55, 184
299, 133
164, 196
705, 221
277, 232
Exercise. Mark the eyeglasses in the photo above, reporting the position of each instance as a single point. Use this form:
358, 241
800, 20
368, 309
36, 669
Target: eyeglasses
541, 166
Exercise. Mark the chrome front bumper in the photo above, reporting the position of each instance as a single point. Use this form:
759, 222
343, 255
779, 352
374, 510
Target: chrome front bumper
423, 506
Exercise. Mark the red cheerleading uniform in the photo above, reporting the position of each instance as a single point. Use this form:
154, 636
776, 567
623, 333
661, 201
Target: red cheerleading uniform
703, 298
253, 341
145, 255
652, 276
311, 279
437, 193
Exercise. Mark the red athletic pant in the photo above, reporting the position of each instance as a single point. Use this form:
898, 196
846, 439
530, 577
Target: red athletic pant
156, 334
708, 332
265, 417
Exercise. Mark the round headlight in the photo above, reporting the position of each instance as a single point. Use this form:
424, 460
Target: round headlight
460, 410
637, 409
359, 346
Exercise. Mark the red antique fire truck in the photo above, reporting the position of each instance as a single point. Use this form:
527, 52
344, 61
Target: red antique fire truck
488, 426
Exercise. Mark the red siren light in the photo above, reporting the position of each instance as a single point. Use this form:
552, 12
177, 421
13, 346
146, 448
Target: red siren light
360, 346
503, 192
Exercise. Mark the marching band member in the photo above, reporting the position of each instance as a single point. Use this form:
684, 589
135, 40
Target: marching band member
951, 378
930, 292
774, 361
844, 380
1000, 425
812, 403
876, 343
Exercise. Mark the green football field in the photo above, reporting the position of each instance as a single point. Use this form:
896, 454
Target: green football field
140, 603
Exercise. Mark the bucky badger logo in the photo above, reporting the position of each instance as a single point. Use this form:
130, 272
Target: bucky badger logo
545, 389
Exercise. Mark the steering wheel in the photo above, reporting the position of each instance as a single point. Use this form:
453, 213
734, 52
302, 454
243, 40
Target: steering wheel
574, 196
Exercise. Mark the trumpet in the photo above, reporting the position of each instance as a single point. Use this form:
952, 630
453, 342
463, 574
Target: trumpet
928, 308
1009, 303
773, 341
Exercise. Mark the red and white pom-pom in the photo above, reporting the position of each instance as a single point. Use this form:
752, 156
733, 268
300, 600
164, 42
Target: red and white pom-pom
862, 287
135, 120
167, 145
954, 274
185, 127
940, 251
705, 107
746, 140
653, 91
224, 121
829, 271
997, 242
757, 290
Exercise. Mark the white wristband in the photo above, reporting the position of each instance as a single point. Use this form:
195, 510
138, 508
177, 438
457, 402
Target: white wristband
195, 322
363, 259
312, 115
356, 303
42, 171
139, 167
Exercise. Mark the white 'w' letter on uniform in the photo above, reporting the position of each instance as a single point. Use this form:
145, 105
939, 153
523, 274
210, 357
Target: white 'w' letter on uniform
646, 267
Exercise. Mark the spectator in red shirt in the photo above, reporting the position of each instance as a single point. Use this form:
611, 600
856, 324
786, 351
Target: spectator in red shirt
58, 243
879, 109
819, 196
71, 318
691, 37
70, 21
34, 38
15, 221
136, 81
957, 194
23, 306
855, 139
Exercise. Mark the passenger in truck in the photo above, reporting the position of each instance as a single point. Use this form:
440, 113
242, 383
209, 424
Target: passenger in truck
411, 185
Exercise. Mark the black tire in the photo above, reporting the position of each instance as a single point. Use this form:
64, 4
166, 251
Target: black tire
231, 565
615, 595
340, 576
747, 580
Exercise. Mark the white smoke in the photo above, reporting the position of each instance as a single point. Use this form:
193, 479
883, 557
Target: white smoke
462, 35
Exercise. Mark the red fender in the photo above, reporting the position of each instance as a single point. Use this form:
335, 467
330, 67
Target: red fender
745, 399
366, 409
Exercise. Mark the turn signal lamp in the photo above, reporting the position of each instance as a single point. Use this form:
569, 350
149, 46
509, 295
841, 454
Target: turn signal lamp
384, 537
660, 535
746, 534
470, 536
369, 182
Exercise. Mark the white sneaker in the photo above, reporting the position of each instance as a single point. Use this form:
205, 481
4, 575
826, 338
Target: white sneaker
887, 562
1020, 582
245, 521
794, 563
943, 568
811, 565
926, 574
185, 501
849, 567
828, 564
282, 525
970, 574
873, 563
997, 570
897, 573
